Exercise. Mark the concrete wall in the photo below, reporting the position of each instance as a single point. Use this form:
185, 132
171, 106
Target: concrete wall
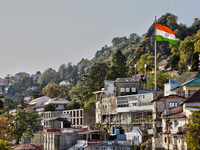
137, 85
59, 141
38, 138
168, 87
89, 117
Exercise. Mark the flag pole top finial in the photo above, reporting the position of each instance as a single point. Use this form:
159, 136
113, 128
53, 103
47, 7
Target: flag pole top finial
155, 19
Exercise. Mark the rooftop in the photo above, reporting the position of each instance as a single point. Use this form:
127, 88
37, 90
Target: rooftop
186, 76
192, 82
131, 79
194, 98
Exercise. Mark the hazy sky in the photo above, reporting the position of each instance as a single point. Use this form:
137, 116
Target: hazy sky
39, 34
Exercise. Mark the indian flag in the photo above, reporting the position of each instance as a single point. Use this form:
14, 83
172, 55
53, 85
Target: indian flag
163, 33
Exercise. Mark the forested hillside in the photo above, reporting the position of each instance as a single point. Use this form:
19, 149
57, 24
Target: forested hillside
115, 61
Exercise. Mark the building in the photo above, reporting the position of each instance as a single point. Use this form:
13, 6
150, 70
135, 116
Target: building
125, 104
81, 117
172, 122
160, 105
169, 87
188, 88
162, 64
61, 139
40, 103
49, 119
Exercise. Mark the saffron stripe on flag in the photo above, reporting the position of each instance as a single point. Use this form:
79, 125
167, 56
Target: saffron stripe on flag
164, 28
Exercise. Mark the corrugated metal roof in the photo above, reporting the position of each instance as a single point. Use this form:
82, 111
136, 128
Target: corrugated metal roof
186, 76
193, 82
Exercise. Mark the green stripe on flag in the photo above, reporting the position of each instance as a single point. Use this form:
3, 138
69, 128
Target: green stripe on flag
161, 38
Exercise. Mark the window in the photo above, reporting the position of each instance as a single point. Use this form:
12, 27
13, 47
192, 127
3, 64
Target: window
56, 106
122, 89
81, 113
173, 104
81, 121
191, 92
77, 113
77, 121
127, 89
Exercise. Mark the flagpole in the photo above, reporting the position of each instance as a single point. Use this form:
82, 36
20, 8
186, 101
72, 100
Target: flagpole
155, 59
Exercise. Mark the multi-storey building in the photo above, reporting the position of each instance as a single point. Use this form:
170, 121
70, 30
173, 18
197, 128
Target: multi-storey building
127, 105
81, 117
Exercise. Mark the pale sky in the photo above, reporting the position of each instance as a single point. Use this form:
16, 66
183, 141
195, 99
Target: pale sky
40, 34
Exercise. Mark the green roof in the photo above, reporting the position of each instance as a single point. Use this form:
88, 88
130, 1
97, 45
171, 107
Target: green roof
175, 88
110, 81
193, 82
187, 76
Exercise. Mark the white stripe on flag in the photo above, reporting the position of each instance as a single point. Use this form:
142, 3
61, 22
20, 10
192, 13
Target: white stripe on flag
165, 34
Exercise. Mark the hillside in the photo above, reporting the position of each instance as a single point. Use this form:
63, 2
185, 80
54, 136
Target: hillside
135, 46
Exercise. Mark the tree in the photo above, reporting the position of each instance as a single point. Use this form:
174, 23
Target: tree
73, 77
51, 90
49, 107
90, 104
35, 94
94, 80
74, 104
27, 122
47, 76
195, 61
145, 59
5, 145
1, 102
193, 131
3, 88
62, 71
5, 129
173, 61
64, 91
119, 68
161, 79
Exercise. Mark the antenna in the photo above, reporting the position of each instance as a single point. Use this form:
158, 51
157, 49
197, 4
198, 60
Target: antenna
168, 9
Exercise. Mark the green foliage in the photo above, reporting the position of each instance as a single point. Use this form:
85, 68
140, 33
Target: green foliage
62, 71
161, 79
47, 76
27, 123
74, 104
145, 59
35, 94
1, 102
195, 61
193, 131
90, 104
64, 91
5, 145
119, 68
94, 80
49, 107
173, 61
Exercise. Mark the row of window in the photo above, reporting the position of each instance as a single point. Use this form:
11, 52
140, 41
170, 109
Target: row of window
77, 122
134, 104
127, 90
75, 113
